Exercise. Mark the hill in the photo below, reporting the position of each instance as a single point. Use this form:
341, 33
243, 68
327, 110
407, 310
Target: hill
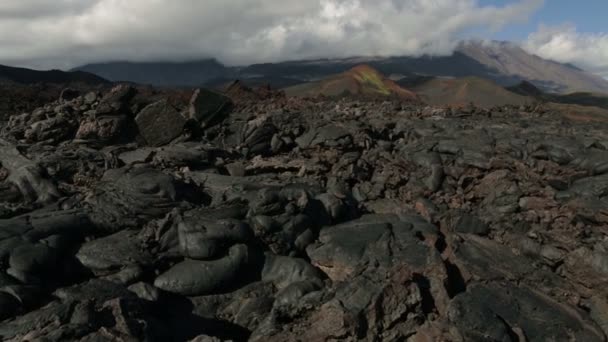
165, 74
361, 80
28, 76
462, 91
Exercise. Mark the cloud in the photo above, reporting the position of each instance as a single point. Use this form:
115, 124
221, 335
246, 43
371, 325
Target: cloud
72, 32
565, 44
31, 9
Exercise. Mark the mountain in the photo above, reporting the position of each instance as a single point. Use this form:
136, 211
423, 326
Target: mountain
28, 76
462, 91
167, 74
361, 80
504, 63
509, 59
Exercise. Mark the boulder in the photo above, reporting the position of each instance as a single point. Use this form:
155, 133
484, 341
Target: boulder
203, 238
112, 253
196, 278
206, 106
160, 123
116, 102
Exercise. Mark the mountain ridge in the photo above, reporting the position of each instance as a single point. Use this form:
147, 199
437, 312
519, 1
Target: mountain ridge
505, 63
29, 76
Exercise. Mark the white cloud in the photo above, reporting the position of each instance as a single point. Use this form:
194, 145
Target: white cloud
565, 44
239, 31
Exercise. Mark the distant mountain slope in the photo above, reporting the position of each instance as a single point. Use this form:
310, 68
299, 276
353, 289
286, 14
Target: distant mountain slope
166, 74
361, 80
462, 91
501, 62
504, 63
580, 98
28, 76
274, 82
510, 59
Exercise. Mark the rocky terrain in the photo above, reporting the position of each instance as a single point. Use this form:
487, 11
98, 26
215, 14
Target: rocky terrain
134, 215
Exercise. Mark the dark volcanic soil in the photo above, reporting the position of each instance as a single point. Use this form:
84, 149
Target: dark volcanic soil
131, 216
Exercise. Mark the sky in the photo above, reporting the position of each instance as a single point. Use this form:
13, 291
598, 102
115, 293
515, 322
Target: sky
63, 34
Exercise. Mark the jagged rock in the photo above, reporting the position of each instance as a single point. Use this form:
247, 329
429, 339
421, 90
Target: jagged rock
52, 130
257, 138
192, 155
27, 175
116, 102
103, 128
593, 160
145, 291
285, 271
596, 186
329, 135
494, 311
207, 106
470, 224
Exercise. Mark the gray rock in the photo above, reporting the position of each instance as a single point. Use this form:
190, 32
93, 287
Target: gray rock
207, 106
596, 186
470, 224
192, 155
33, 260
27, 175
345, 247
145, 291
196, 278
160, 123
111, 253
284, 271
203, 238
116, 102
129, 196
493, 311
90, 97
328, 135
